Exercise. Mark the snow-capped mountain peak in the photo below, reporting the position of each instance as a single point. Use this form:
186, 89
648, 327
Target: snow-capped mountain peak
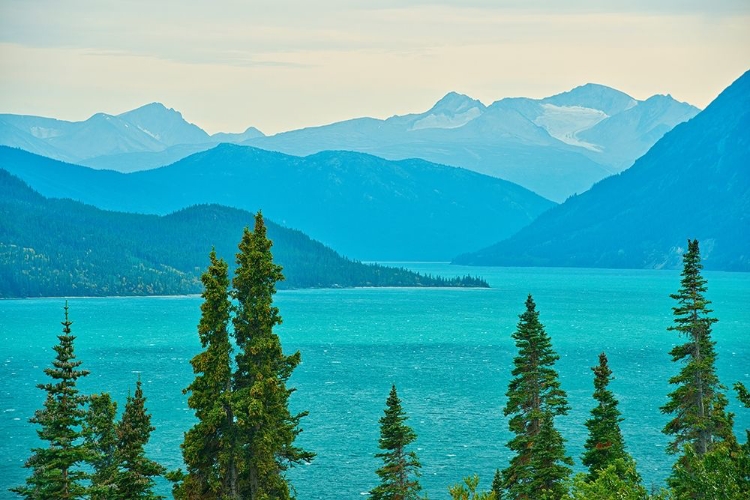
452, 111
594, 96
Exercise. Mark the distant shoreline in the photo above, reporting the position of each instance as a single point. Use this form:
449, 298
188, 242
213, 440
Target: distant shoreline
198, 295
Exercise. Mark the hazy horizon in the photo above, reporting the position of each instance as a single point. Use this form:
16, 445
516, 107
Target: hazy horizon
286, 65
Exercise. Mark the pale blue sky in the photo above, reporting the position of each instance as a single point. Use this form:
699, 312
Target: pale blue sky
280, 65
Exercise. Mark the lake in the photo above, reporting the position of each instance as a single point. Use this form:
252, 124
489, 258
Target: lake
449, 352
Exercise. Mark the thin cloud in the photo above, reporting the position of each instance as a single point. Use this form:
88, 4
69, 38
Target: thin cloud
284, 64
206, 58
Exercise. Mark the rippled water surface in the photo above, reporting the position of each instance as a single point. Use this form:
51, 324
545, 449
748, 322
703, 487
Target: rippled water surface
449, 351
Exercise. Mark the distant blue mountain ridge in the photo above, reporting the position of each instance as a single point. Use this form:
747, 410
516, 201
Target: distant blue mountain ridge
693, 183
363, 206
556, 146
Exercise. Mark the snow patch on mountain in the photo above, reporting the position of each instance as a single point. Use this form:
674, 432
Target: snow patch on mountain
148, 132
565, 122
44, 132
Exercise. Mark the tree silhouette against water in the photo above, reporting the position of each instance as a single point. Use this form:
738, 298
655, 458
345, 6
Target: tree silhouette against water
400, 471
539, 465
56, 467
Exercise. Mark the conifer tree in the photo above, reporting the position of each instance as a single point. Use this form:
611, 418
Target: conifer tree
605, 444
209, 449
719, 474
135, 479
743, 454
56, 472
616, 481
539, 467
100, 431
468, 490
265, 428
742, 394
497, 484
400, 471
698, 403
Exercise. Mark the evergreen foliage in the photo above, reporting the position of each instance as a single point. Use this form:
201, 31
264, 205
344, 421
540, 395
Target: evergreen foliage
719, 474
135, 478
742, 394
617, 480
742, 455
100, 431
243, 441
56, 468
604, 444
265, 428
208, 447
400, 471
539, 466
468, 490
497, 484
698, 403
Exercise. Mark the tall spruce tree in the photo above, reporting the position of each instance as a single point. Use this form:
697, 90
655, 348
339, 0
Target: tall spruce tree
604, 445
698, 404
540, 466
56, 471
135, 479
265, 428
209, 449
400, 471
100, 431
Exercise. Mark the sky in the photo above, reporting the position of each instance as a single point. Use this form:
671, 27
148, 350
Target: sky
281, 65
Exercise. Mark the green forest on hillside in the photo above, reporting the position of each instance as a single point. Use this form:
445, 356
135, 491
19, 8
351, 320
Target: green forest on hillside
52, 247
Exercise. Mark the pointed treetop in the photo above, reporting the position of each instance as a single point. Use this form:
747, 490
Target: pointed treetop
67, 322
602, 372
605, 445
260, 226
400, 471
530, 304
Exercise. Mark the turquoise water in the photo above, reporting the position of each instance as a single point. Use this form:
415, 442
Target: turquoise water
449, 352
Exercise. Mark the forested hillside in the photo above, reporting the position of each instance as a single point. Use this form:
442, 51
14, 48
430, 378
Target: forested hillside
694, 183
365, 207
51, 247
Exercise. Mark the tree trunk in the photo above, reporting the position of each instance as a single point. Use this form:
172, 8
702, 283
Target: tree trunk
704, 435
232, 466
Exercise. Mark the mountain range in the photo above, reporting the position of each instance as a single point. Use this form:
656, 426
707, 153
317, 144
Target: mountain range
53, 247
366, 207
100, 141
693, 183
556, 146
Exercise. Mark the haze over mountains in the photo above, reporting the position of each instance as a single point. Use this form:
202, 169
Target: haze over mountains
693, 183
362, 206
555, 146
102, 139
